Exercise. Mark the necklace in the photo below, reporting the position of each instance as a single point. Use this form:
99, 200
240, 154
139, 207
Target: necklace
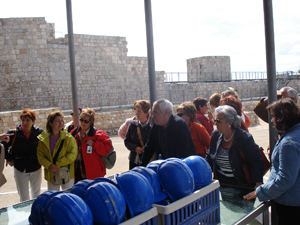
227, 140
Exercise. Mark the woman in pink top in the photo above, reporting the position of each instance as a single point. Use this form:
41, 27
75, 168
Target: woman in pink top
201, 106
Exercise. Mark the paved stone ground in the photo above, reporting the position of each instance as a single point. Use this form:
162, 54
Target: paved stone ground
9, 195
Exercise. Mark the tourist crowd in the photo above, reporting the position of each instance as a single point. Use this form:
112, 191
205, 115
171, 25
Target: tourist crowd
69, 154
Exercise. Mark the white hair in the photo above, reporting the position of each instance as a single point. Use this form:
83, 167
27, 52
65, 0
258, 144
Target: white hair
292, 93
164, 105
230, 115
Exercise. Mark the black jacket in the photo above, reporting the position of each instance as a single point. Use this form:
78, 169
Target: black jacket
174, 141
247, 146
24, 150
132, 140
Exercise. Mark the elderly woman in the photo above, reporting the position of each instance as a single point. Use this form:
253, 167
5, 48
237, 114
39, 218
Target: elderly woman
92, 144
133, 141
223, 154
237, 105
55, 139
232, 92
283, 185
22, 145
201, 138
202, 109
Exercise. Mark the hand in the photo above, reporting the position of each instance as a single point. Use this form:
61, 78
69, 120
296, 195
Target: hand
53, 168
257, 184
139, 150
250, 196
210, 115
5, 137
90, 142
11, 163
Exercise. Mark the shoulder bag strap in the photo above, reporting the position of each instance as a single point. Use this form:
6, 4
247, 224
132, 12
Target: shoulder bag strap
58, 151
13, 141
245, 164
238, 148
140, 135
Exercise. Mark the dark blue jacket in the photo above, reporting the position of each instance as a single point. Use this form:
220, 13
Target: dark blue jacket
247, 146
176, 137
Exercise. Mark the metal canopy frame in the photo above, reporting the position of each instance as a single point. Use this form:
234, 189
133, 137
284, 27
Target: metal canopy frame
270, 58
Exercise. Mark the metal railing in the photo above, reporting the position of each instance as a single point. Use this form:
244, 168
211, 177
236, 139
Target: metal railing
179, 77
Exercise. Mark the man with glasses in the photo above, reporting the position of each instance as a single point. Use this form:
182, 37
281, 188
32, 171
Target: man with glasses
260, 108
169, 135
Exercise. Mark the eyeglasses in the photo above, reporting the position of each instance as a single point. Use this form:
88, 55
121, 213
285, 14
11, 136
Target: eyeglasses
86, 121
180, 114
218, 120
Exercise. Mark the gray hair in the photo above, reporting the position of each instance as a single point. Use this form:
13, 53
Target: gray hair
229, 115
164, 105
292, 93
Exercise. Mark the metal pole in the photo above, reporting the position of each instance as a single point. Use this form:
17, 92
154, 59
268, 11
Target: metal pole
271, 76
271, 66
150, 51
72, 63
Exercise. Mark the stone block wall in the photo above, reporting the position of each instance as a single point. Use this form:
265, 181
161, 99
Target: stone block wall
107, 121
178, 93
35, 71
34, 66
209, 68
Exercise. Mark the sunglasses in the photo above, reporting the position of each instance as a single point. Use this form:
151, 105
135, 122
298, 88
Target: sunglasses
180, 114
218, 120
86, 121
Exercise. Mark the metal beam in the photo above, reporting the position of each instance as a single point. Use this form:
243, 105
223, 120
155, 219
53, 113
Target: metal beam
271, 65
72, 63
150, 51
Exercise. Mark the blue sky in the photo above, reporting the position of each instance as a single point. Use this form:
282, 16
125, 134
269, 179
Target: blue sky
182, 29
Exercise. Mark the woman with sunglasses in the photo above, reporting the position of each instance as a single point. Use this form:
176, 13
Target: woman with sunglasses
133, 141
200, 136
224, 156
52, 140
92, 144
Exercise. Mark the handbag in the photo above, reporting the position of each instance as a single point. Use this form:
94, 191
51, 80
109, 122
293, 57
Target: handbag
246, 169
61, 175
137, 159
109, 160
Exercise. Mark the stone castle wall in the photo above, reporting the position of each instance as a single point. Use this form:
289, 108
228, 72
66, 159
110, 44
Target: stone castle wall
36, 72
209, 68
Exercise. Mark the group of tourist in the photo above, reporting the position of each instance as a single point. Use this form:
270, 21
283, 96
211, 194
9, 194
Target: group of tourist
28, 147
222, 139
191, 132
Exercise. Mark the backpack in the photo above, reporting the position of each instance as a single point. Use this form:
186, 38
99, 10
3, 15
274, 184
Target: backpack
110, 159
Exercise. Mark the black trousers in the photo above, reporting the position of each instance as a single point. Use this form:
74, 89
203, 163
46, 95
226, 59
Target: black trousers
287, 214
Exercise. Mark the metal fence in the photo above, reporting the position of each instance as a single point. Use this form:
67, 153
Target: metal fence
177, 77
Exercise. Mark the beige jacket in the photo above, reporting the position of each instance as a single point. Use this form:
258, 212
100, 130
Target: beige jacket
2, 159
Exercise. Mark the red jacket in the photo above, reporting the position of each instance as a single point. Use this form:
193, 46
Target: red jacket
201, 138
94, 166
208, 124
